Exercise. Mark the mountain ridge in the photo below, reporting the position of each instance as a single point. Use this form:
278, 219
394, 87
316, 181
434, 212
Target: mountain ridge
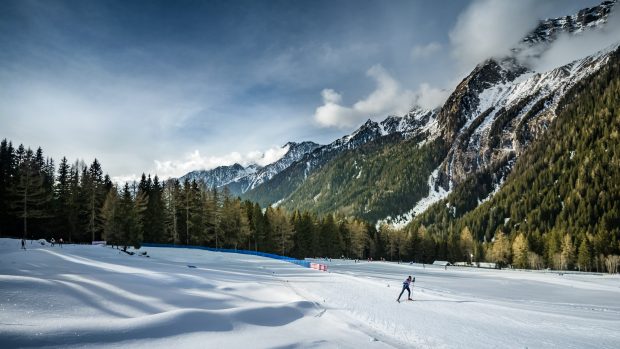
485, 125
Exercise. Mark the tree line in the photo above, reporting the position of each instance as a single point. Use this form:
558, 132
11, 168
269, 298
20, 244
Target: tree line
80, 204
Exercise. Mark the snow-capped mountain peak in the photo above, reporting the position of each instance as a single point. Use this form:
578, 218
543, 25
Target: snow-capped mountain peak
240, 179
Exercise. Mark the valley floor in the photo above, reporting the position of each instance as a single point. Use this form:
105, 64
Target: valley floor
90, 297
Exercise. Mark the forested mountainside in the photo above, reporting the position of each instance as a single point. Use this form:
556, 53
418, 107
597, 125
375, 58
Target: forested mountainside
565, 184
418, 124
485, 125
374, 181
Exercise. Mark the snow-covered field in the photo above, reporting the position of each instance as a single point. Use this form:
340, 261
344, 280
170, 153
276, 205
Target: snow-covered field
93, 296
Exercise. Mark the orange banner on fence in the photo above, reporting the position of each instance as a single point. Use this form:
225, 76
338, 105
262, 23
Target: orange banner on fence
318, 266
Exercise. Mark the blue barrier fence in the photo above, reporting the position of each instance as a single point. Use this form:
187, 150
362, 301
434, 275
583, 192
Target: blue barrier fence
305, 264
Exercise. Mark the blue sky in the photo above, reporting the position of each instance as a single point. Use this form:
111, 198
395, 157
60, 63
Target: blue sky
170, 86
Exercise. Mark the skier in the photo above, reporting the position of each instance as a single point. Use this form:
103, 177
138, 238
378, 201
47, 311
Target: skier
60, 242
52, 241
23, 244
406, 283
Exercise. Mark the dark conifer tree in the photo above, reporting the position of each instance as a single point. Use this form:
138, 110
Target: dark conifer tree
172, 198
29, 196
62, 200
8, 167
93, 187
156, 212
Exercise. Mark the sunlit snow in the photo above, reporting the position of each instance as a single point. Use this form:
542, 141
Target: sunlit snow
93, 297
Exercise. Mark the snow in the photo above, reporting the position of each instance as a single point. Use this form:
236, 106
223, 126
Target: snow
434, 195
277, 203
97, 297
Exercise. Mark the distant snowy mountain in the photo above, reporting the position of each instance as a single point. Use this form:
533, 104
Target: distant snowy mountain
549, 29
418, 124
220, 176
240, 179
295, 152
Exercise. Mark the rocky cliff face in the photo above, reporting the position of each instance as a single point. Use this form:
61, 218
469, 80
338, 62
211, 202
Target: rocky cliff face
502, 105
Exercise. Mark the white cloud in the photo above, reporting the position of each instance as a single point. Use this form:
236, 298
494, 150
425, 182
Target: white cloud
388, 98
424, 51
490, 28
121, 180
195, 161
331, 96
271, 155
429, 97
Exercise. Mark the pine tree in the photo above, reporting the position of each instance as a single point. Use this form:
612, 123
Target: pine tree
282, 229
259, 228
156, 213
94, 190
584, 260
77, 203
111, 214
568, 252
500, 251
187, 192
172, 198
466, 243
131, 213
144, 188
30, 198
62, 199
520, 250
345, 237
329, 245
8, 166
359, 238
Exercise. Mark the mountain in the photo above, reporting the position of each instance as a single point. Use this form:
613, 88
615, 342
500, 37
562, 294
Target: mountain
567, 181
503, 105
398, 168
294, 153
239, 179
221, 175
417, 124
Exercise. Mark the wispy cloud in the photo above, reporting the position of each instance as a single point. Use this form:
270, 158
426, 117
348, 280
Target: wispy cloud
196, 161
424, 51
387, 98
490, 28
429, 97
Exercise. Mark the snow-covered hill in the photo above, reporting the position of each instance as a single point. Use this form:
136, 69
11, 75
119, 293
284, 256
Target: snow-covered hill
97, 297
